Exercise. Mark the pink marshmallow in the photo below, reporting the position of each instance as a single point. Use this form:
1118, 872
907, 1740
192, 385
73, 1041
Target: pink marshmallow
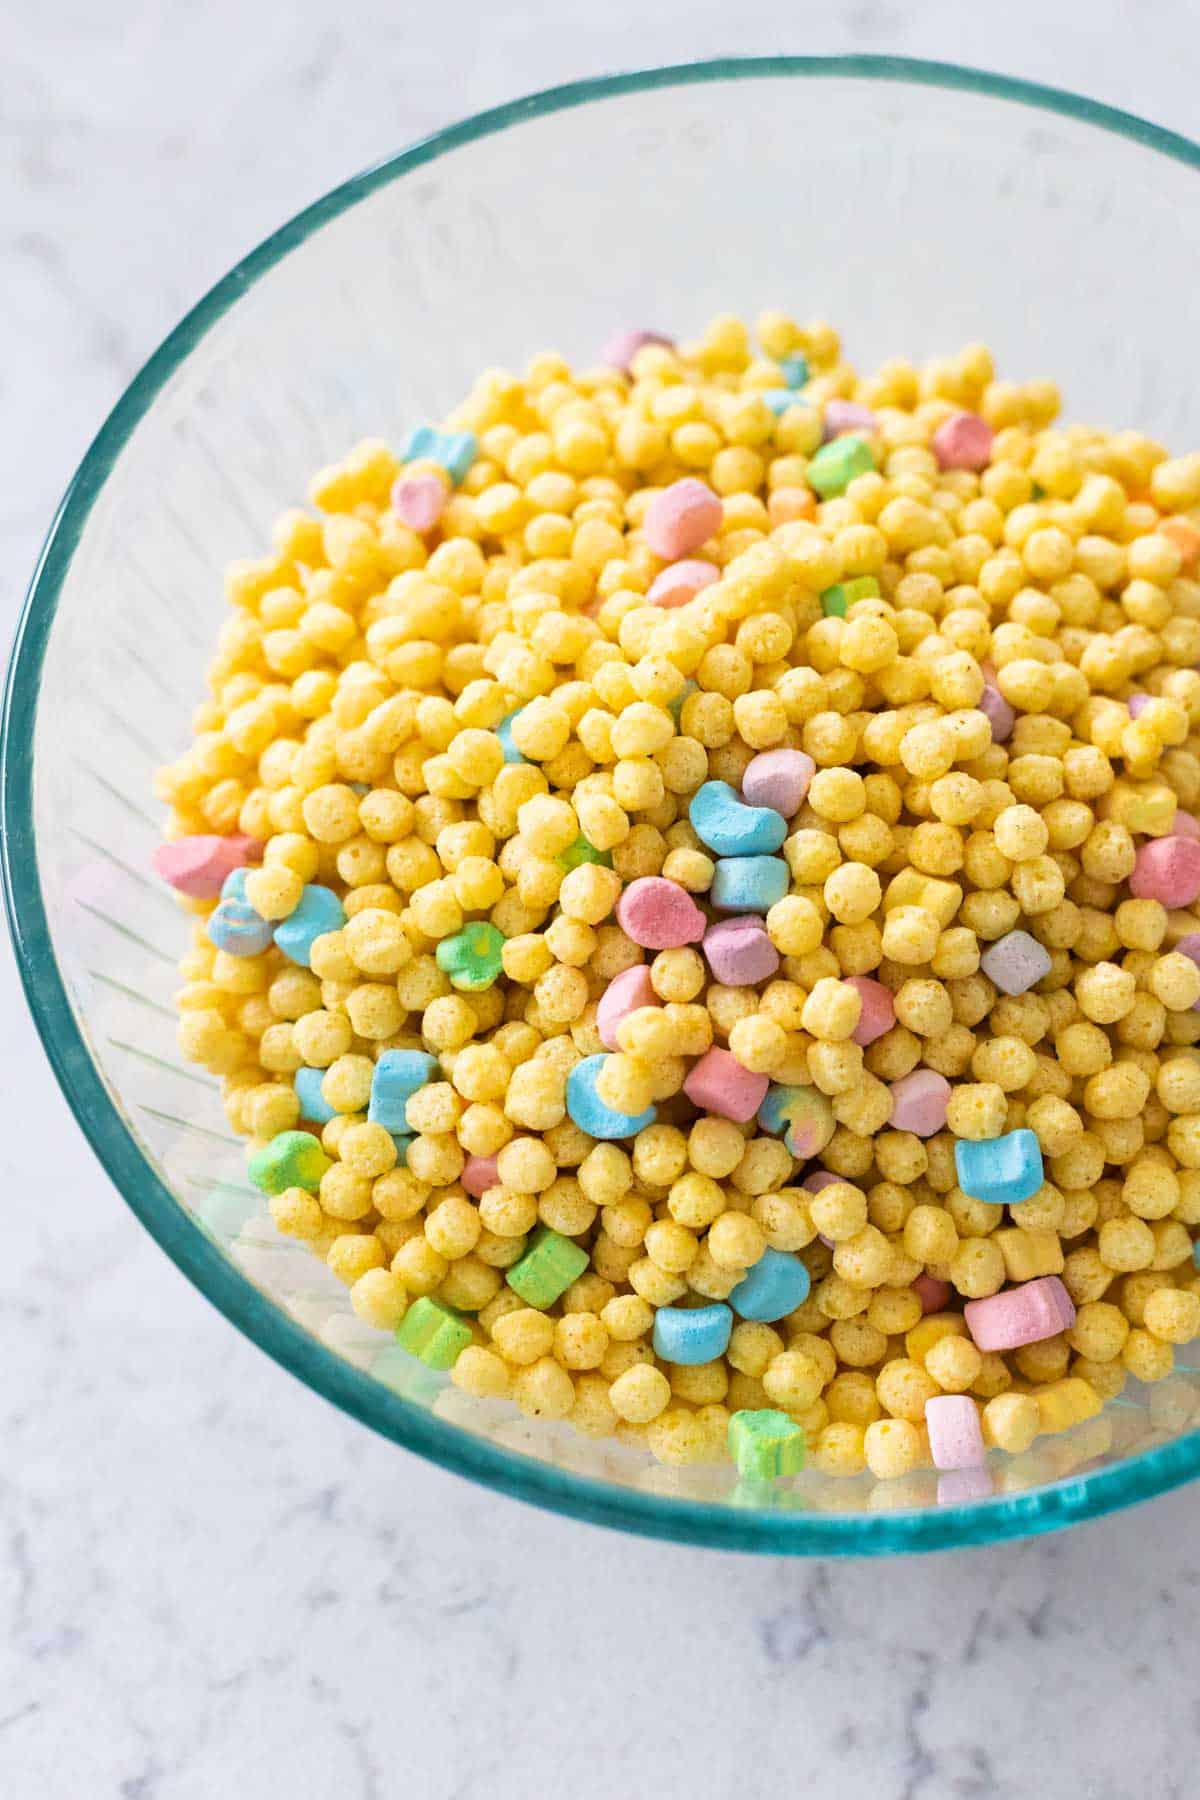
847, 415
479, 1175
623, 346
681, 518
955, 1434
1167, 869
420, 500
878, 1010
1020, 1315
719, 1084
199, 866
964, 441
999, 714
1185, 825
919, 1102
820, 1178
778, 779
659, 914
739, 952
681, 582
957, 1486
1137, 704
932, 1293
627, 991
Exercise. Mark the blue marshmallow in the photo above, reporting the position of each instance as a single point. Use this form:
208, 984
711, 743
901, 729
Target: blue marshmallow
727, 825
319, 911
454, 451
237, 929
794, 369
779, 399
1001, 1171
234, 885
398, 1075
776, 1286
692, 1334
504, 734
589, 1111
313, 1104
748, 883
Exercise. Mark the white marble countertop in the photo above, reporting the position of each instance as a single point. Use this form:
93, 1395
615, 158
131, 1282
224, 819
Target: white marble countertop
211, 1582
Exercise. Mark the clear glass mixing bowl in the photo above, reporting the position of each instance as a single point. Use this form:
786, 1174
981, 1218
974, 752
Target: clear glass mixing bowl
916, 205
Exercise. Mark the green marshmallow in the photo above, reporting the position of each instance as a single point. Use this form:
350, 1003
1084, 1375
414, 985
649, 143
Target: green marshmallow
472, 957
547, 1269
292, 1159
837, 463
583, 852
766, 1444
433, 1333
836, 601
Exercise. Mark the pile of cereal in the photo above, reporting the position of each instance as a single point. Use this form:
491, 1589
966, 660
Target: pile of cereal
692, 866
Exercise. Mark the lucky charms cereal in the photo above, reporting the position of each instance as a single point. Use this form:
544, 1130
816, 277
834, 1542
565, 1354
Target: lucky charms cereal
694, 867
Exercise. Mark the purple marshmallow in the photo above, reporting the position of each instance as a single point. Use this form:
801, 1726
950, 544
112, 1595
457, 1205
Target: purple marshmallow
739, 952
846, 415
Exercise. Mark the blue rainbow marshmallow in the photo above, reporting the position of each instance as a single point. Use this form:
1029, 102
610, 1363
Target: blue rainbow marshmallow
730, 827
505, 737
794, 370
234, 885
454, 451
692, 1334
1000, 1171
319, 911
398, 1075
804, 1116
748, 884
237, 929
313, 1104
589, 1111
776, 1286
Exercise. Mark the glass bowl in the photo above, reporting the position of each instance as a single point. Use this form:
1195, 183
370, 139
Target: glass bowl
917, 206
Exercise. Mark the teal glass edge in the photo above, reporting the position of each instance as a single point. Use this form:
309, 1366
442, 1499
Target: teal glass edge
719, 1526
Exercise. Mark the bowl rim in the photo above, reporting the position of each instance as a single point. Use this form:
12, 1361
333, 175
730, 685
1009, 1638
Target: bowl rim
714, 1525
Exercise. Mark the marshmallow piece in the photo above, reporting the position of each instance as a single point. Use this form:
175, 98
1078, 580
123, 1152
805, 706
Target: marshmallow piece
659, 914
1020, 1315
778, 779
682, 517
628, 991
955, 1434
964, 441
718, 1084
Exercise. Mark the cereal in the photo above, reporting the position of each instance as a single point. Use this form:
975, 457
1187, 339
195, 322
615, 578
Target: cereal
659, 777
